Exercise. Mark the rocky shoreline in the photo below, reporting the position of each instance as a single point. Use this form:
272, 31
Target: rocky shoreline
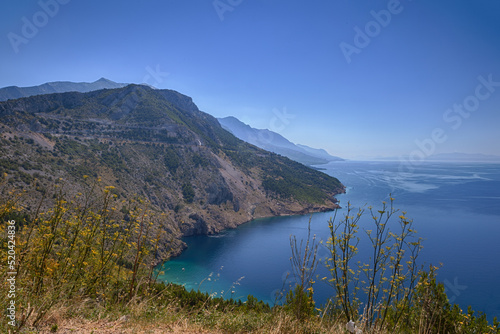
285, 209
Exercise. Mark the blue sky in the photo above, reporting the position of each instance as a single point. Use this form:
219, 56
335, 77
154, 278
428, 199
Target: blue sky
359, 78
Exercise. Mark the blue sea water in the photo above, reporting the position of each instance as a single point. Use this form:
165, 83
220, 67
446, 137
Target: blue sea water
455, 208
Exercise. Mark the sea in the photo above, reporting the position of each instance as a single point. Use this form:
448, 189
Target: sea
455, 208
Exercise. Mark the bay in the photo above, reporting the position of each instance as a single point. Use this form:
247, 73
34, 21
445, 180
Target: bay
455, 208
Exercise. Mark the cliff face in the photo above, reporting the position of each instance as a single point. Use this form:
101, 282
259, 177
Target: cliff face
155, 144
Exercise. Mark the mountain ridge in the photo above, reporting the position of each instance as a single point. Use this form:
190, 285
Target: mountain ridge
262, 138
274, 142
457, 156
450, 157
15, 92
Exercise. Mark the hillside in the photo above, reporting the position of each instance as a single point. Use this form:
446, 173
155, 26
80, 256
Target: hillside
157, 145
274, 142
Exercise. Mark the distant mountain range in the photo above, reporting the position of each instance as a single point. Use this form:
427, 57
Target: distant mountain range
14, 92
464, 157
274, 142
458, 157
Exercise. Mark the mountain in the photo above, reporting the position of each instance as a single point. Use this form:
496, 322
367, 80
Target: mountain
274, 142
265, 139
451, 157
319, 152
464, 157
14, 92
155, 144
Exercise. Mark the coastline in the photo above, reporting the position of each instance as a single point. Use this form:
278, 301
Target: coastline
257, 212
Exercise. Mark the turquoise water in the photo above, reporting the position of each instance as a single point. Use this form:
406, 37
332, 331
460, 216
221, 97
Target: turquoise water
455, 208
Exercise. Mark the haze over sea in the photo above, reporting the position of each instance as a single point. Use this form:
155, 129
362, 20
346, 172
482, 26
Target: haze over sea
455, 208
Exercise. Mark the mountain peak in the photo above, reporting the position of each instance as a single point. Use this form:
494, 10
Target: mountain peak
103, 79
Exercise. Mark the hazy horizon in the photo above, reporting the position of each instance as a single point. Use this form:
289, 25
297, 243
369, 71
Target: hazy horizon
358, 79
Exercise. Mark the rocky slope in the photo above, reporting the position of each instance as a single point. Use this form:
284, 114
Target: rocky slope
155, 144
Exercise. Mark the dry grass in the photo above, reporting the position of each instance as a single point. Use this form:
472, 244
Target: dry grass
105, 326
172, 319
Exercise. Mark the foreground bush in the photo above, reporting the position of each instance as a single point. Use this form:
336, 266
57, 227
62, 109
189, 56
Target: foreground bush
80, 248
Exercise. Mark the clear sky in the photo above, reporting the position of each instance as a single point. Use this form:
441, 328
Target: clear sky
360, 78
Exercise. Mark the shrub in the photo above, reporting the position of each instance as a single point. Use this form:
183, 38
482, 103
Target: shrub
76, 250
